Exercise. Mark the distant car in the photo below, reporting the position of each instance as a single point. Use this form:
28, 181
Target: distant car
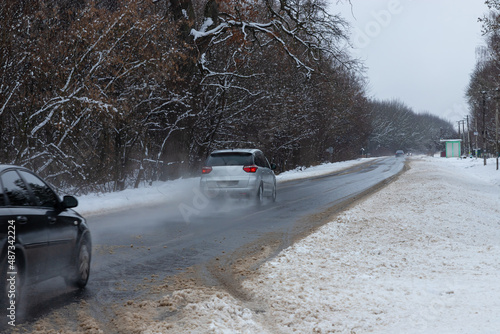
400, 153
239, 173
41, 237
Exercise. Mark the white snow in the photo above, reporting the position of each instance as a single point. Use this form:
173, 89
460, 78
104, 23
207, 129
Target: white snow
156, 194
326, 168
422, 255
203, 29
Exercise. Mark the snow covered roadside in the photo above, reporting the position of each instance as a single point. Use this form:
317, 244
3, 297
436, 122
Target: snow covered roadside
420, 256
161, 192
326, 168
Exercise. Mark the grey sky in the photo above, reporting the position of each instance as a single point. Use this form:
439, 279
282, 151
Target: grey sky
420, 52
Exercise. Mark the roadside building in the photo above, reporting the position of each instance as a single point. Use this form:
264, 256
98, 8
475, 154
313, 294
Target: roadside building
453, 147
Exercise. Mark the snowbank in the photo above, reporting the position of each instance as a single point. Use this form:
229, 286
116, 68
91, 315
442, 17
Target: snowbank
158, 193
421, 256
326, 168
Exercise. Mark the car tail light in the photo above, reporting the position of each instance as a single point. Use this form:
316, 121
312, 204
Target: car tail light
206, 170
250, 169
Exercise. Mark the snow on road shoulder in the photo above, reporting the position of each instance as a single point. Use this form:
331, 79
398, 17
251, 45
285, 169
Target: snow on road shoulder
158, 193
325, 168
420, 256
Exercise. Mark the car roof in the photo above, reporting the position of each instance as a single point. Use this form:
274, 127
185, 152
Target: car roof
4, 167
237, 150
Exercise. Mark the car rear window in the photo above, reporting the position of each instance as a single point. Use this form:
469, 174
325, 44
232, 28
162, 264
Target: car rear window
230, 159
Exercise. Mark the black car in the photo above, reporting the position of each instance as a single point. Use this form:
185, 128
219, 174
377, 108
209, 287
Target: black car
41, 237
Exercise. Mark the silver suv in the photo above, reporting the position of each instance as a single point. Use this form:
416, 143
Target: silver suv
239, 173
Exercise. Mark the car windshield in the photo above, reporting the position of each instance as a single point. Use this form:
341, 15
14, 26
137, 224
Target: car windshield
230, 159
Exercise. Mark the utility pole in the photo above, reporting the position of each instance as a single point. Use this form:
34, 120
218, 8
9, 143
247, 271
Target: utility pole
468, 136
483, 148
465, 138
496, 131
476, 133
463, 148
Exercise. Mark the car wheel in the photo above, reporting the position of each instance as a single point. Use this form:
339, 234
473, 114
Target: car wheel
273, 196
81, 271
260, 195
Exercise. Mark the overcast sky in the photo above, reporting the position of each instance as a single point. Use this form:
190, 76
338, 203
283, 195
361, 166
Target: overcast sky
420, 52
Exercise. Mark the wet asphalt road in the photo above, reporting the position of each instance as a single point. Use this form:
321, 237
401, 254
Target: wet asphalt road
131, 246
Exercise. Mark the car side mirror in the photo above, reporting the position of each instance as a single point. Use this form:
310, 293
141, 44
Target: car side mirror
273, 166
69, 202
